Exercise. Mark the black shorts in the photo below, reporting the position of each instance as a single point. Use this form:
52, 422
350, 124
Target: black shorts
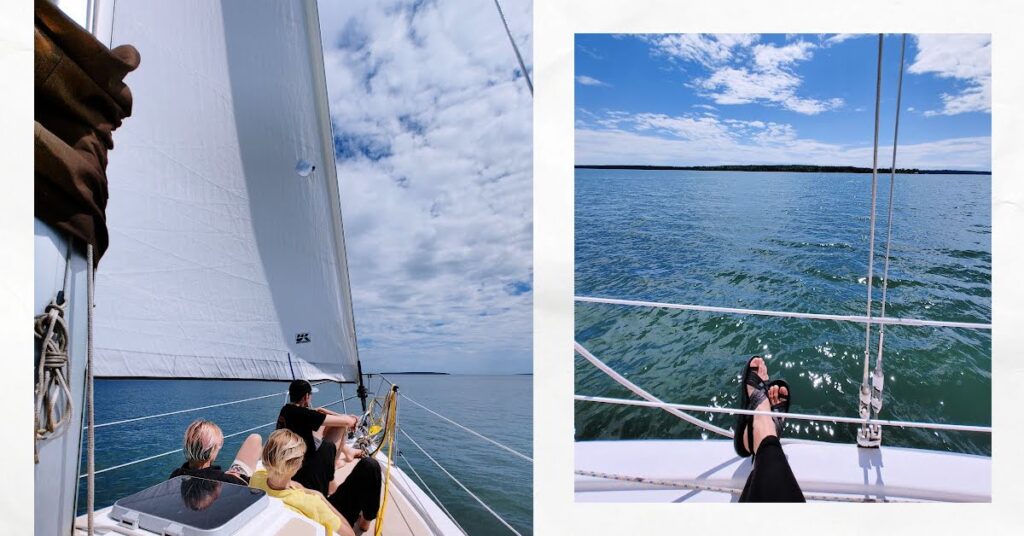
317, 472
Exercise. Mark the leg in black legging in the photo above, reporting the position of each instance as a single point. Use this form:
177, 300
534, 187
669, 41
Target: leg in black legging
360, 492
771, 480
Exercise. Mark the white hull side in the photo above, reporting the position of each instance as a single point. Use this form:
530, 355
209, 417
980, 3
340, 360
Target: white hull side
820, 468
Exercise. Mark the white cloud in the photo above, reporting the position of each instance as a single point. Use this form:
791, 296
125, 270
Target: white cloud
708, 50
964, 57
744, 71
655, 139
769, 57
588, 81
433, 124
839, 38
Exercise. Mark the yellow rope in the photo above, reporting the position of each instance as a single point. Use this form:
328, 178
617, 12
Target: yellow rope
391, 410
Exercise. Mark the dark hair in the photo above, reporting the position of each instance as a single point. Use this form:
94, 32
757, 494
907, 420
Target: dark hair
299, 389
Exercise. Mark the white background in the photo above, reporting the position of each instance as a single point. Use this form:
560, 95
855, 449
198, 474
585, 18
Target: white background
555, 22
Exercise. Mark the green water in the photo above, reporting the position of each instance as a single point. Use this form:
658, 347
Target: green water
791, 242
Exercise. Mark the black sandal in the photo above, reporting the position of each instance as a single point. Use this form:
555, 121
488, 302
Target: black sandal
749, 401
782, 406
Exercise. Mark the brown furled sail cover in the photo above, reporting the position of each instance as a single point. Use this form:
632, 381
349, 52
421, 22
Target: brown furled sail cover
80, 98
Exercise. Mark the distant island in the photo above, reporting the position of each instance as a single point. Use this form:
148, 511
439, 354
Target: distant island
788, 168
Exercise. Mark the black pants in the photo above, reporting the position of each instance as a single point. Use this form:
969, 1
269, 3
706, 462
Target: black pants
360, 492
317, 471
771, 480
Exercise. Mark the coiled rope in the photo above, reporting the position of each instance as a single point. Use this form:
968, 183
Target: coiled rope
51, 330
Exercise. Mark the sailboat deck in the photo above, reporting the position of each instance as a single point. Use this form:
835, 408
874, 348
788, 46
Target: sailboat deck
407, 514
824, 469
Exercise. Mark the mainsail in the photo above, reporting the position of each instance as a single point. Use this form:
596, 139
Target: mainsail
227, 256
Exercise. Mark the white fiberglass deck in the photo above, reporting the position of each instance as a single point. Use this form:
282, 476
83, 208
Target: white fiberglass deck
833, 469
409, 513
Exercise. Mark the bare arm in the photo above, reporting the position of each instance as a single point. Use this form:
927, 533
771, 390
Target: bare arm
338, 420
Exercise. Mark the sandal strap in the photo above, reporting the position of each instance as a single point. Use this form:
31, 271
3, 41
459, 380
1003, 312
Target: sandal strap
756, 398
754, 380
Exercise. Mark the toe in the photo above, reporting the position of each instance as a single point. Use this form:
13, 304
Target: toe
773, 394
762, 369
783, 393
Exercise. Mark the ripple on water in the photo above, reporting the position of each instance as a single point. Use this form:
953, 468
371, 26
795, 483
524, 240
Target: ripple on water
782, 241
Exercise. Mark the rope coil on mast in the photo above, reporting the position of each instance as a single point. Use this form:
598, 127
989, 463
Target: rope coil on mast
51, 330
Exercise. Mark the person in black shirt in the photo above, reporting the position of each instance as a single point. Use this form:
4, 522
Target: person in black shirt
357, 498
203, 441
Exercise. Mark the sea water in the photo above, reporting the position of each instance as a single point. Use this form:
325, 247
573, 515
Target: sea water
788, 242
499, 407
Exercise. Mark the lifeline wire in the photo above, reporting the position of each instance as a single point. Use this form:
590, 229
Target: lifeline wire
461, 485
481, 436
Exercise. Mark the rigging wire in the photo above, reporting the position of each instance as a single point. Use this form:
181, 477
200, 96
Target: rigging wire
878, 379
864, 408
515, 48
430, 491
168, 453
460, 484
481, 436
136, 419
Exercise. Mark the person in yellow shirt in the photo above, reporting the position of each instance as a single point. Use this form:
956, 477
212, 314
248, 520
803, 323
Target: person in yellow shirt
282, 457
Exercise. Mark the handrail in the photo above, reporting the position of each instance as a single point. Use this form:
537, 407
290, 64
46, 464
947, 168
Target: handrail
787, 314
800, 416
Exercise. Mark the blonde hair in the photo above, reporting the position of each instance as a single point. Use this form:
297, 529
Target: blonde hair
203, 440
283, 453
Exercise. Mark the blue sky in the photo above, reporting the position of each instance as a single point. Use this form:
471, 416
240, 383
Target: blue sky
692, 99
433, 136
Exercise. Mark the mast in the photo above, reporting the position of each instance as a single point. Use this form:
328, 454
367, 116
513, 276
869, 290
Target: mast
361, 390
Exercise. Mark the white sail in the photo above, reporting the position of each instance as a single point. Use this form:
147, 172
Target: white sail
227, 257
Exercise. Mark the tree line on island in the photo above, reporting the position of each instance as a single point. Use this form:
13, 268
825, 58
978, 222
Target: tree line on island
791, 168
